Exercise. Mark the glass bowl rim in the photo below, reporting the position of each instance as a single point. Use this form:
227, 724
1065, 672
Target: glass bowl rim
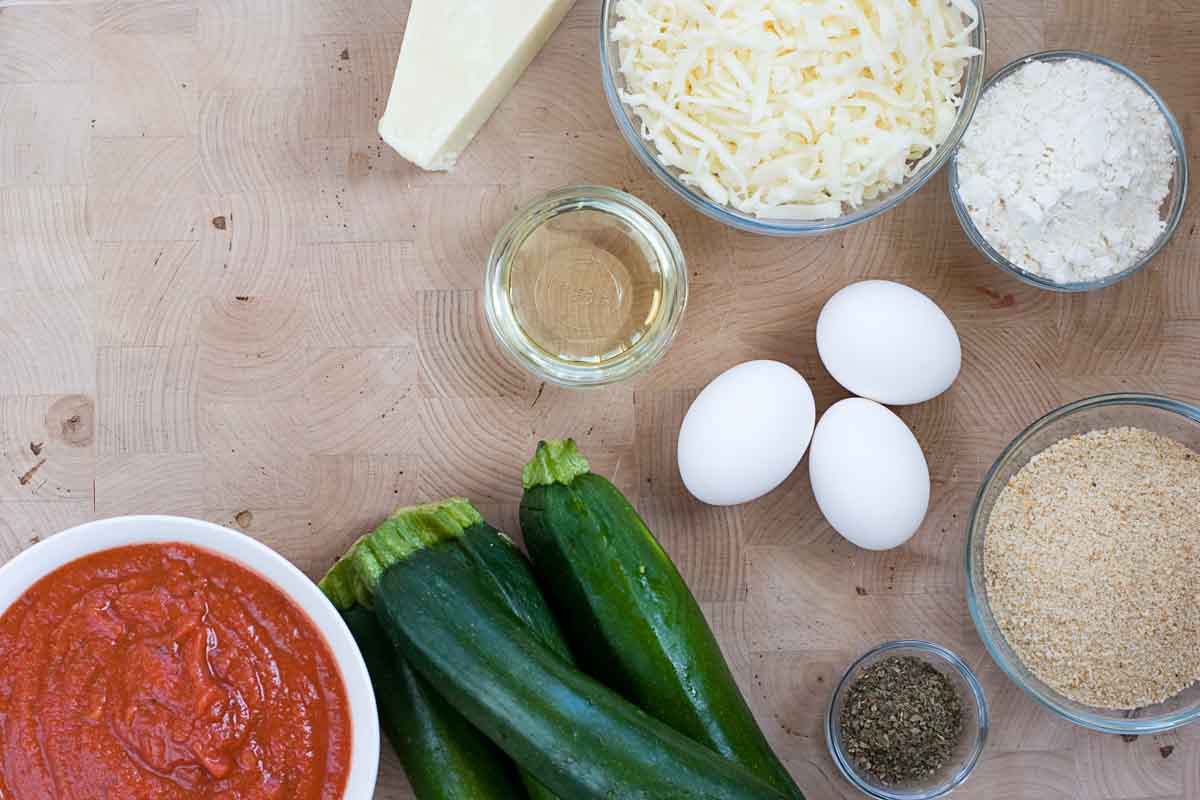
944, 656
1174, 215
978, 606
972, 90
527, 354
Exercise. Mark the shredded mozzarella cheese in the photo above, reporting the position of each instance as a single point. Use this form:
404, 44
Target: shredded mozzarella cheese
794, 109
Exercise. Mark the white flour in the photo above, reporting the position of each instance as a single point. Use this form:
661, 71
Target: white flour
1064, 170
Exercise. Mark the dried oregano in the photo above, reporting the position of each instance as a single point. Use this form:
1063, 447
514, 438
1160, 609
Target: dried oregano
901, 721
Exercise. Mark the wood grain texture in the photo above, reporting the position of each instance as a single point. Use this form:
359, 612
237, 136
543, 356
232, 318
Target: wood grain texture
222, 296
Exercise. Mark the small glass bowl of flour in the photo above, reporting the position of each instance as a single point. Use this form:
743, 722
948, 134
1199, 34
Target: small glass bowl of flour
1073, 174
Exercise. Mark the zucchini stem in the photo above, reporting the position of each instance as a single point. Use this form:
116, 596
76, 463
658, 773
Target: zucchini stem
556, 461
356, 575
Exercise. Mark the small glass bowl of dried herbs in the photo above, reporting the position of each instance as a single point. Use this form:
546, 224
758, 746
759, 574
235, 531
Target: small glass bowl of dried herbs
908, 721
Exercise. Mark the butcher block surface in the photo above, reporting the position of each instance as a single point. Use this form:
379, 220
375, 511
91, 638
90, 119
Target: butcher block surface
222, 296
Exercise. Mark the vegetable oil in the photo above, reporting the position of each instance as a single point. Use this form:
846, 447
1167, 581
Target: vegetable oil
586, 286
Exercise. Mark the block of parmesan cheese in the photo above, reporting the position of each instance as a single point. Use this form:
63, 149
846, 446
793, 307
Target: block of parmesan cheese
458, 61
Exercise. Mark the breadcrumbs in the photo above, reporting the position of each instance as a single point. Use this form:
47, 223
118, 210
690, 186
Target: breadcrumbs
1092, 564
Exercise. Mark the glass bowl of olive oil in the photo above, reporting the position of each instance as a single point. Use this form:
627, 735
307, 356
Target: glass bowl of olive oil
586, 286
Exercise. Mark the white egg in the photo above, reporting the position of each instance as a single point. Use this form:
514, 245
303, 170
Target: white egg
745, 433
888, 342
868, 474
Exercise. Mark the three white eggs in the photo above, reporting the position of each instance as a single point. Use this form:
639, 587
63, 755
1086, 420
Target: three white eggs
748, 430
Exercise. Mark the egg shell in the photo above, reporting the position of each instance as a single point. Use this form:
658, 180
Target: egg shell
868, 474
745, 433
889, 343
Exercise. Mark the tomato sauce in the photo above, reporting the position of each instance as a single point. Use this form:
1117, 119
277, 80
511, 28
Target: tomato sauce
166, 672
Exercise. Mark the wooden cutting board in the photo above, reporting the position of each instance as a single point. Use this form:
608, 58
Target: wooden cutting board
222, 296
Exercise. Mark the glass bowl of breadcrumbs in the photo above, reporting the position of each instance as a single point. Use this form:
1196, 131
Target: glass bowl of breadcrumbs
1083, 563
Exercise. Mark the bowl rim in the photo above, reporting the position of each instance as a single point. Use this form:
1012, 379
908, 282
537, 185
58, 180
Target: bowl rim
1174, 215
942, 655
973, 83
978, 606
36, 562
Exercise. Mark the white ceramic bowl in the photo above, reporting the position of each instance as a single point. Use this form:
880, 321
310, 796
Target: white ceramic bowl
48, 555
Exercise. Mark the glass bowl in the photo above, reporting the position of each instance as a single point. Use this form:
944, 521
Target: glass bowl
1174, 203
629, 125
975, 723
1177, 420
640, 225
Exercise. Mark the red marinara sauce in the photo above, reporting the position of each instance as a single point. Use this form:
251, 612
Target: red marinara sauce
166, 672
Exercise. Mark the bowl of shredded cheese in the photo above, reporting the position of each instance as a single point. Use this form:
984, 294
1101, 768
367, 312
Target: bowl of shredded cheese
787, 118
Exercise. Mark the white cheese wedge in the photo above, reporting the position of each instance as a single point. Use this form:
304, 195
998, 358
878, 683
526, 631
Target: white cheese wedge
459, 59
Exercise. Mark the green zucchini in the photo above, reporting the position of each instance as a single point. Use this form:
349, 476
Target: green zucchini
499, 565
629, 618
444, 756
579, 738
